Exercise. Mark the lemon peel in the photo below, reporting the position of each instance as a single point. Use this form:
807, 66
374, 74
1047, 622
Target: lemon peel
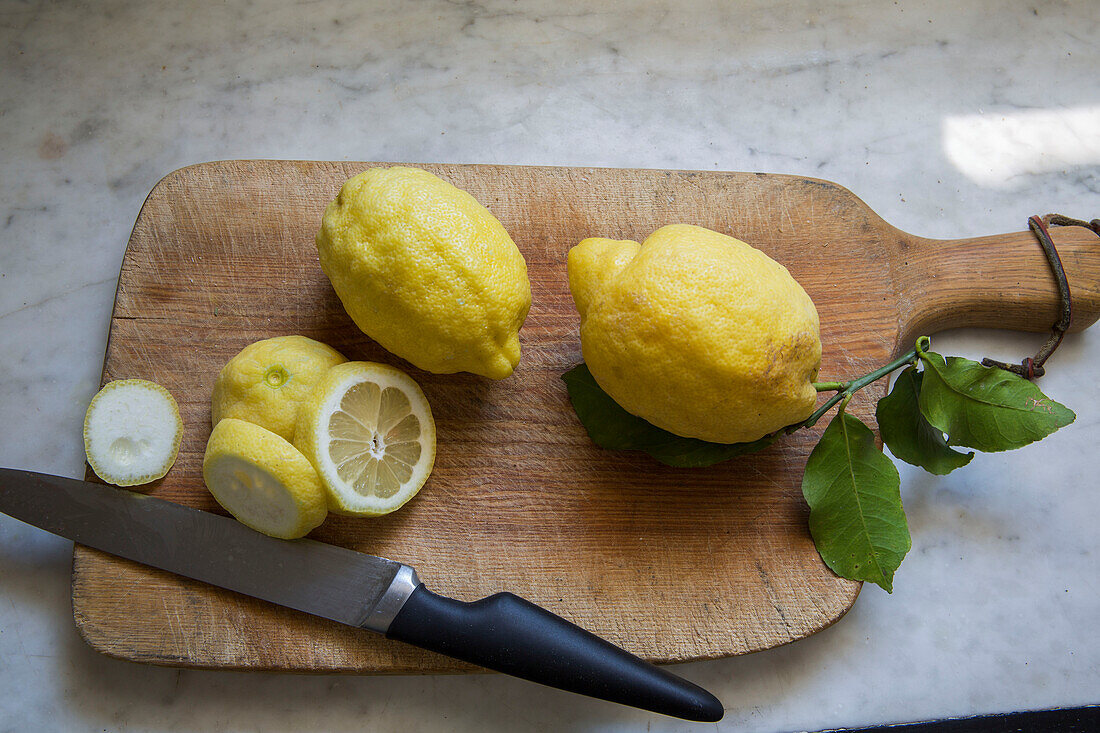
132, 432
368, 430
263, 480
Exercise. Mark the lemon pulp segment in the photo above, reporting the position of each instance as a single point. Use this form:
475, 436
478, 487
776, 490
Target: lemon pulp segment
374, 439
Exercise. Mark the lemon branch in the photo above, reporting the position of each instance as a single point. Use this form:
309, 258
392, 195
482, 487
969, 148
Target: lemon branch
845, 390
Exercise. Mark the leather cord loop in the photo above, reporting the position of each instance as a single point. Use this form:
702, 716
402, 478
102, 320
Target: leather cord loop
1032, 367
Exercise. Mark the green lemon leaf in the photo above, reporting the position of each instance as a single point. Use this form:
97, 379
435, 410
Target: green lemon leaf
986, 408
609, 425
692, 453
854, 493
910, 436
612, 427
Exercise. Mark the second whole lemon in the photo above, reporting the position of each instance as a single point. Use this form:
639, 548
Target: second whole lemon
426, 271
697, 332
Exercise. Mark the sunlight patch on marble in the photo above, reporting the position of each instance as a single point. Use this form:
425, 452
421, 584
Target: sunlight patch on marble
997, 150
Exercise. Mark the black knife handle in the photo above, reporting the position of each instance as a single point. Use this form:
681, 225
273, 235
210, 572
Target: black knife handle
507, 634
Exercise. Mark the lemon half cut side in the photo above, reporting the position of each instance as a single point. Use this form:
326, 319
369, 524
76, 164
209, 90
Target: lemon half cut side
369, 431
263, 480
132, 432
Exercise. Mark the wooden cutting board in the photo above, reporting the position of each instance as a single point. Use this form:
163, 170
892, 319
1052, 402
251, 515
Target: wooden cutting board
672, 564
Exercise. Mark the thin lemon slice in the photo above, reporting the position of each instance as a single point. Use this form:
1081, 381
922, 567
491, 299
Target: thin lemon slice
369, 432
263, 480
132, 432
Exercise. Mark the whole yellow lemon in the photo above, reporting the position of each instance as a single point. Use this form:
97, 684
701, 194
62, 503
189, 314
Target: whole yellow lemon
697, 332
426, 271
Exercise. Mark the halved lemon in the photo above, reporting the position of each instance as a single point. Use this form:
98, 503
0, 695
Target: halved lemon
263, 480
132, 432
369, 432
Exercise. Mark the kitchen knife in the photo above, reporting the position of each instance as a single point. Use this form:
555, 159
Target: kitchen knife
501, 632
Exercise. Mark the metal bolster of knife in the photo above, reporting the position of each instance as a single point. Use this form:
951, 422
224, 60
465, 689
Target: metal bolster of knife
392, 601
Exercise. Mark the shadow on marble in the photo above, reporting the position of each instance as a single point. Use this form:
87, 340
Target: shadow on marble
34, 566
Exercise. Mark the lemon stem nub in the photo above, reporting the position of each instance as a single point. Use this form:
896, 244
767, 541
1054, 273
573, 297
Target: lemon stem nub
276, 376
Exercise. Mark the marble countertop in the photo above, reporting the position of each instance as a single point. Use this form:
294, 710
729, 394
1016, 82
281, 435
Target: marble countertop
949, 119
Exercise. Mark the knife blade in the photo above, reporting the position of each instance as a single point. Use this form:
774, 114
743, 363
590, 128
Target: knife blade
502, 632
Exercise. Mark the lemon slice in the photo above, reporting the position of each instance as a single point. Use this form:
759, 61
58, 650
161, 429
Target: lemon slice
263, 480
132, 432
369, 432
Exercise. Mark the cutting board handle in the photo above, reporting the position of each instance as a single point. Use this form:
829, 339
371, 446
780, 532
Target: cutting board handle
999, 281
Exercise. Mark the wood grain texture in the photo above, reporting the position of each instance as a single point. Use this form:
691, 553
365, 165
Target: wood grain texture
671, 564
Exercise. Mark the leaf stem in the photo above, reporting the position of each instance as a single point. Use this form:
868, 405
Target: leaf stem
830, 386
845, 390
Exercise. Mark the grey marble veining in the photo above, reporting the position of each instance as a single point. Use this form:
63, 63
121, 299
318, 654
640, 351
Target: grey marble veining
950, 119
